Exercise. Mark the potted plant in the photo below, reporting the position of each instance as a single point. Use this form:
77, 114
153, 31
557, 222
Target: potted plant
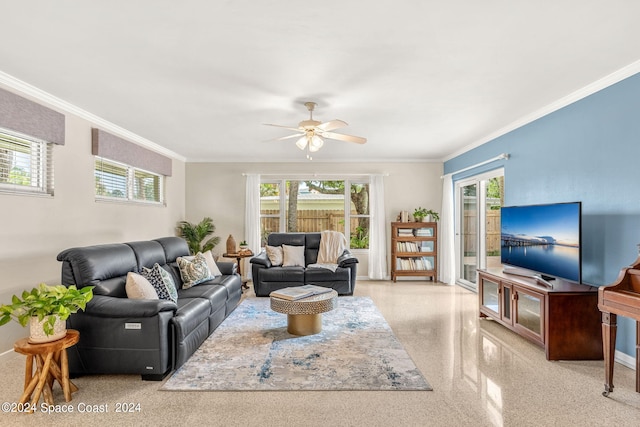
194, 234
419, 214
434, 216
243, 245
46, 309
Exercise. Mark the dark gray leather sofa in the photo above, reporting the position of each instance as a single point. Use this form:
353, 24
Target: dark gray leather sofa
141, 336
268, 278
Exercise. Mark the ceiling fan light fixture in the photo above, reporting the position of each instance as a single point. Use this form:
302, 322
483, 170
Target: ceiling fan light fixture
302, 143
315, 143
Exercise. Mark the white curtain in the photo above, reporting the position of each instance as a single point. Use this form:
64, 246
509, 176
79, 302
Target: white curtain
447, 233
251, 220
377, 230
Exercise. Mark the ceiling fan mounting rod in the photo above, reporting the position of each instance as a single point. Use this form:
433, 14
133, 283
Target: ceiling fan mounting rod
310, 106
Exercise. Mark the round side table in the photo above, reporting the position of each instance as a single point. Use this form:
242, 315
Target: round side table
304, 316
51, 363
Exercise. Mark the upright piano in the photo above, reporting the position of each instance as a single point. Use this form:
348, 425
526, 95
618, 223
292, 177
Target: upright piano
619, 298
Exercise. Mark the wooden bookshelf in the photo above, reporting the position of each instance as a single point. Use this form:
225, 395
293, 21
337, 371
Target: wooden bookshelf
414, 249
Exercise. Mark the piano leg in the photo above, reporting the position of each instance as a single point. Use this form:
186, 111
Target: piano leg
609, 328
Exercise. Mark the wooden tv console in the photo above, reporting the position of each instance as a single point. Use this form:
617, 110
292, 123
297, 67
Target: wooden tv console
564, 320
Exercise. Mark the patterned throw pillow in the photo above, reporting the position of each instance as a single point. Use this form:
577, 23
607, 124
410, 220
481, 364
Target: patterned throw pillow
194, 272
161, 281
275, 255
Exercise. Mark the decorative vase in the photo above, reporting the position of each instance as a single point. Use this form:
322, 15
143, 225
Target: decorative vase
36, 331
231, 245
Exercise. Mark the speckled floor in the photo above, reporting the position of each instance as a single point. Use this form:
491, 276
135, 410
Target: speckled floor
481, 373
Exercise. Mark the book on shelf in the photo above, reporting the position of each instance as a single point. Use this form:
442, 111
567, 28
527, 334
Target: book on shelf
298, 292
407, 247
405, 232
424, 232
414, 264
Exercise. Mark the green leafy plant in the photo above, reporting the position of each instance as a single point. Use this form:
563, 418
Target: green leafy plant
419, 214
360, 238
195, 234
46, 302
243, 243
434, 215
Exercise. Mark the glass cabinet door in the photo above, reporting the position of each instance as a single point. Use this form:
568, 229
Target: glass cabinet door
491, 295
529, 310
507, 294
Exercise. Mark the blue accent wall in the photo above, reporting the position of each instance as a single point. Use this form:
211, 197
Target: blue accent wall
588, 151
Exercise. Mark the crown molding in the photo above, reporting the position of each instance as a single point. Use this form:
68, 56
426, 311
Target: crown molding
590, 89
39, 95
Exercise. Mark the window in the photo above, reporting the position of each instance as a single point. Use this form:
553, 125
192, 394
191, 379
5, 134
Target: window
118, 181
288, 205
25, 165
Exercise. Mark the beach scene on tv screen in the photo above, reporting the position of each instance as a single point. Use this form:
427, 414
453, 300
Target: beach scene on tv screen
544, 238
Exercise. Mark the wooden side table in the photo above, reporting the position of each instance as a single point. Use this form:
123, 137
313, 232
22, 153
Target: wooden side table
238, 256
51, 363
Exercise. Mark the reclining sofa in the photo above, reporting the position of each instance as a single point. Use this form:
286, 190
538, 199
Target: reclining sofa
268, 278
150, 337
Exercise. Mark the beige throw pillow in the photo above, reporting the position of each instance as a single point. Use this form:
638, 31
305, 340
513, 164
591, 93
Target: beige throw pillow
275, 255
211, 263
138, 287
293, 256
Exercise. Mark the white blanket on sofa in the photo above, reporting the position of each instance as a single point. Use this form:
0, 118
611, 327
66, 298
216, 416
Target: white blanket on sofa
332, 245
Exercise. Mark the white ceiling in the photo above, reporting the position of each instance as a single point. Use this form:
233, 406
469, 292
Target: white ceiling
421, 79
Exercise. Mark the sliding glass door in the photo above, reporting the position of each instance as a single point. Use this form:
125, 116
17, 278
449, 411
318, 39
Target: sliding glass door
478, 202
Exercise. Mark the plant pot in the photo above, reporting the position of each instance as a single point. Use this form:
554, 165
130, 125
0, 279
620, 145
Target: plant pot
36, 331
243, 247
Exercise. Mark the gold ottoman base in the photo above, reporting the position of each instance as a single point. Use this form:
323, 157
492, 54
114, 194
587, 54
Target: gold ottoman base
304, 324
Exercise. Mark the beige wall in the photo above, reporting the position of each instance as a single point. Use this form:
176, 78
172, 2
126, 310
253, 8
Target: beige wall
218, 190
35, 229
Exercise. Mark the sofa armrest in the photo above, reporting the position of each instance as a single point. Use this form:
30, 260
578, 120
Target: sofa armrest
261, 259
227, 268
346, 259
112, 307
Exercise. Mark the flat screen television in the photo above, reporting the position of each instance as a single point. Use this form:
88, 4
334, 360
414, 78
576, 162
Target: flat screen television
545, 239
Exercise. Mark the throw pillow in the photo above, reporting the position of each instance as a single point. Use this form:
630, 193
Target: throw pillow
275, 255
211, 263
138, 287
293, 256
195, 271
161, 281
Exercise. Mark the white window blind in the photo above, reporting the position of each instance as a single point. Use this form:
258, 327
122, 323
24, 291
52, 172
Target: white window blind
26, 165
118, 181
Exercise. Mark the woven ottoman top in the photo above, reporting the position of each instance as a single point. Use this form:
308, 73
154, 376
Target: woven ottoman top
315, 304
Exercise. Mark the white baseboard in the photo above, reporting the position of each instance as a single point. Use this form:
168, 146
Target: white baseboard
625, 359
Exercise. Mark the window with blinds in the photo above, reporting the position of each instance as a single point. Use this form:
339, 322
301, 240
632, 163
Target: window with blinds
26, 165
118, 181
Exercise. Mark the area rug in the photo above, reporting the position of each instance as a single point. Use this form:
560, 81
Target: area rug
252, 350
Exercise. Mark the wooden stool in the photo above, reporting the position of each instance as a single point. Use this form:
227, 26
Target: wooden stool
51, 363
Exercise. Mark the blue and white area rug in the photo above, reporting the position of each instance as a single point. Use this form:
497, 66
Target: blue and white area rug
252, 350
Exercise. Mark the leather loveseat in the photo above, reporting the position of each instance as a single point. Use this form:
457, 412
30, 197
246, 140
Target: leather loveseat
150, 337
268, 278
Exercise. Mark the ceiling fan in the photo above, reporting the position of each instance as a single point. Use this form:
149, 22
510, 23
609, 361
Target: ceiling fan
310, 133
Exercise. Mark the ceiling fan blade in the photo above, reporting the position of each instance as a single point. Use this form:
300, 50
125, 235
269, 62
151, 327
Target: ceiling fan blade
282, 138
333, 124
343, 137
284, 127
